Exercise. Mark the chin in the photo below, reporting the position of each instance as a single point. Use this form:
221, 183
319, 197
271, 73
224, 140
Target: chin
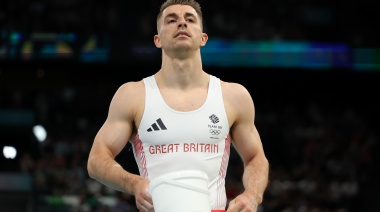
182, 47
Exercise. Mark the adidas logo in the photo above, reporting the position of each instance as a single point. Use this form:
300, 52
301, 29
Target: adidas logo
161, 126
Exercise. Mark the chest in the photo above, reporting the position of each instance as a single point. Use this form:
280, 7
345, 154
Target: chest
172, 116
161, 126
184, 100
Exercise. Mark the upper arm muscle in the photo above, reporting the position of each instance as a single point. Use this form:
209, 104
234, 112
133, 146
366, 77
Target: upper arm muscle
244, 134
119, 125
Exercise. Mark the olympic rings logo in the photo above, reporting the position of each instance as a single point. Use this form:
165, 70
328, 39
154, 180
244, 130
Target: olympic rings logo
214, 132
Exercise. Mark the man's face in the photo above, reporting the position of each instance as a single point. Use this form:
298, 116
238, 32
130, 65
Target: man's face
180, 27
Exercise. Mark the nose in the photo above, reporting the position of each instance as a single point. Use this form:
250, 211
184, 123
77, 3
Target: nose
182, 23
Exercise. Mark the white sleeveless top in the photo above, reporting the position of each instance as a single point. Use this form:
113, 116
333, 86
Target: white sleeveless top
170, 140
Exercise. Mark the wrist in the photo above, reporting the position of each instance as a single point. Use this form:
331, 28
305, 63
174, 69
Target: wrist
131, 181
254, 196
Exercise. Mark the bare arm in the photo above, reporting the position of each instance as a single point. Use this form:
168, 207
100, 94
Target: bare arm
111, 139
248, 144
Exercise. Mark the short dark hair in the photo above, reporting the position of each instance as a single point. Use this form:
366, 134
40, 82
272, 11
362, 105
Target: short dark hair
194, 4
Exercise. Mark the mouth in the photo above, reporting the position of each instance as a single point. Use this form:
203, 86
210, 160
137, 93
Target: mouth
182, 33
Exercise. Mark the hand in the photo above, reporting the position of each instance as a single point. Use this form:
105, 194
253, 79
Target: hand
242, 203
144, 200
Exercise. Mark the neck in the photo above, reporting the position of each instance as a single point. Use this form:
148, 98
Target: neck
182, 72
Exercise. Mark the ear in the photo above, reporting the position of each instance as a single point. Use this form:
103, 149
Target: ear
157, 41
204, 39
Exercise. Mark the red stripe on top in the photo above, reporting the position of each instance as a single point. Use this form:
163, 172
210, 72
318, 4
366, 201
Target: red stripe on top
140, 156
223, 171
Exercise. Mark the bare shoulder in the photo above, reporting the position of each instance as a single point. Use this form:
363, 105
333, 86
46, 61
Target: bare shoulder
235, 92
131, 90
128, 98
237, 101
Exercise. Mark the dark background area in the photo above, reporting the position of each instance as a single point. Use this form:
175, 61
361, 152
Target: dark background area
319, 126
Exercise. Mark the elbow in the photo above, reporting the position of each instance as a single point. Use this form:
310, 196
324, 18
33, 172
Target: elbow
90, 170
264, 159
266, 162
258, 159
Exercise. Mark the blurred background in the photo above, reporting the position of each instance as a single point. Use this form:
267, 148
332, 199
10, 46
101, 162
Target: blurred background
312, 68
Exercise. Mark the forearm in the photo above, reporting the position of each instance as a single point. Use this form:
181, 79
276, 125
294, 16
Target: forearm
111, 174
255, 177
